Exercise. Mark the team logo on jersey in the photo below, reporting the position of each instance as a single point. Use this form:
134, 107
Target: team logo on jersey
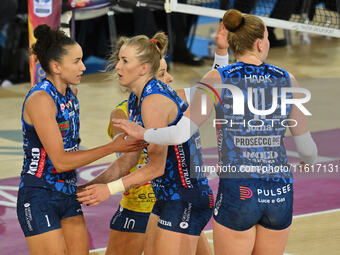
260, 156
165, 223
148, 89
69, 104
184, 225
218, 203
64, 125
257, 141
245, 193
274, 192
186, 217
198, 142
62, 107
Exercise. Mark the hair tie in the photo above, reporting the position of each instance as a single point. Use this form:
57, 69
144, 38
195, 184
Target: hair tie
238, 27
154, 41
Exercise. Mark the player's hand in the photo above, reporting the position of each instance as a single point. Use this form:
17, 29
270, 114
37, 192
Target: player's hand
124, 143
130, 127
94, 194
221, 41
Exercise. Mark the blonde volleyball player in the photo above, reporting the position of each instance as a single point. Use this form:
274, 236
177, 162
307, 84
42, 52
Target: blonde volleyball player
129, 223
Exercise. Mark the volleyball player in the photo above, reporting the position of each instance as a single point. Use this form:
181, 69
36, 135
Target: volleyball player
183, 205
48, 212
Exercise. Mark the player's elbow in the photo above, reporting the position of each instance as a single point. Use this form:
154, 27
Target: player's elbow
61, 167
181, 139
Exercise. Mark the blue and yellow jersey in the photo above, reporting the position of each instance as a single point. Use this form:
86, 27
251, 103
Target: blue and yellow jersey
139, 199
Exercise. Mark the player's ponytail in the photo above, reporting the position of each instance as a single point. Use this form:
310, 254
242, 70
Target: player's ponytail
243, 29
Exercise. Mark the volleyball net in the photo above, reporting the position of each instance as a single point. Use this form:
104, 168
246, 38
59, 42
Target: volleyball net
310, 16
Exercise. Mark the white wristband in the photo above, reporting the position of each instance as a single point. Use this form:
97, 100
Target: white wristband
118, 154
177, 134
220, 61
306, 148
116, 186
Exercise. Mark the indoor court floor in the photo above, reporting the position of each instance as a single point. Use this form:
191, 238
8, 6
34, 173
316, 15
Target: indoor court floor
316, 224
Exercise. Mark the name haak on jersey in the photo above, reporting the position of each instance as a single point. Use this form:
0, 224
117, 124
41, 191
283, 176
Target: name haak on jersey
257, 78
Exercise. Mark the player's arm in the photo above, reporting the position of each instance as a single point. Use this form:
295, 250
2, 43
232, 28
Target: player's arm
119, 168
193, 117
156, 112
40, 111
122, 165
305, 144
221, 55
116, 114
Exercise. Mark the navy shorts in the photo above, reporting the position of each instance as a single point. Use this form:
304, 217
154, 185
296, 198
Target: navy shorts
182, 216
129, 221
40, 210
243, 203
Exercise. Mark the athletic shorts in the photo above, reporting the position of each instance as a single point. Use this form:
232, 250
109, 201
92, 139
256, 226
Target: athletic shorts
182, 216
129, 221
41, 210
243, 203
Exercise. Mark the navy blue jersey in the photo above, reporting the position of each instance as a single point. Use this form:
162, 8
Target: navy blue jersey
178, 181
251, 145
38, 170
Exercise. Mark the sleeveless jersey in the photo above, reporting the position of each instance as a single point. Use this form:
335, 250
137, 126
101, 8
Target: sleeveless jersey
139, 199
38, 170
251, 145
180, 181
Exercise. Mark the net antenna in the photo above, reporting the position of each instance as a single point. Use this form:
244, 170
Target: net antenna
325, 19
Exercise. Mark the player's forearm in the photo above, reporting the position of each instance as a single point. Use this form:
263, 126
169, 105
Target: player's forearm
143, 175
67, 161
117, 169
112, 173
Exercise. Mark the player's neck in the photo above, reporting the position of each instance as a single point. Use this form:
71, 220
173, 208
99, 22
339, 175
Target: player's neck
138, 85
250, 58
58, 84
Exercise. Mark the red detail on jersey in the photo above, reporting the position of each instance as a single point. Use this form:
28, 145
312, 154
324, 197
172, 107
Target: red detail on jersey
142, 185
64, 125
41, 163
62, 181
180, 169
69, 104
211, 201
54, 171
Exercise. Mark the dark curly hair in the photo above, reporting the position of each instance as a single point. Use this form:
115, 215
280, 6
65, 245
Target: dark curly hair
50, 45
